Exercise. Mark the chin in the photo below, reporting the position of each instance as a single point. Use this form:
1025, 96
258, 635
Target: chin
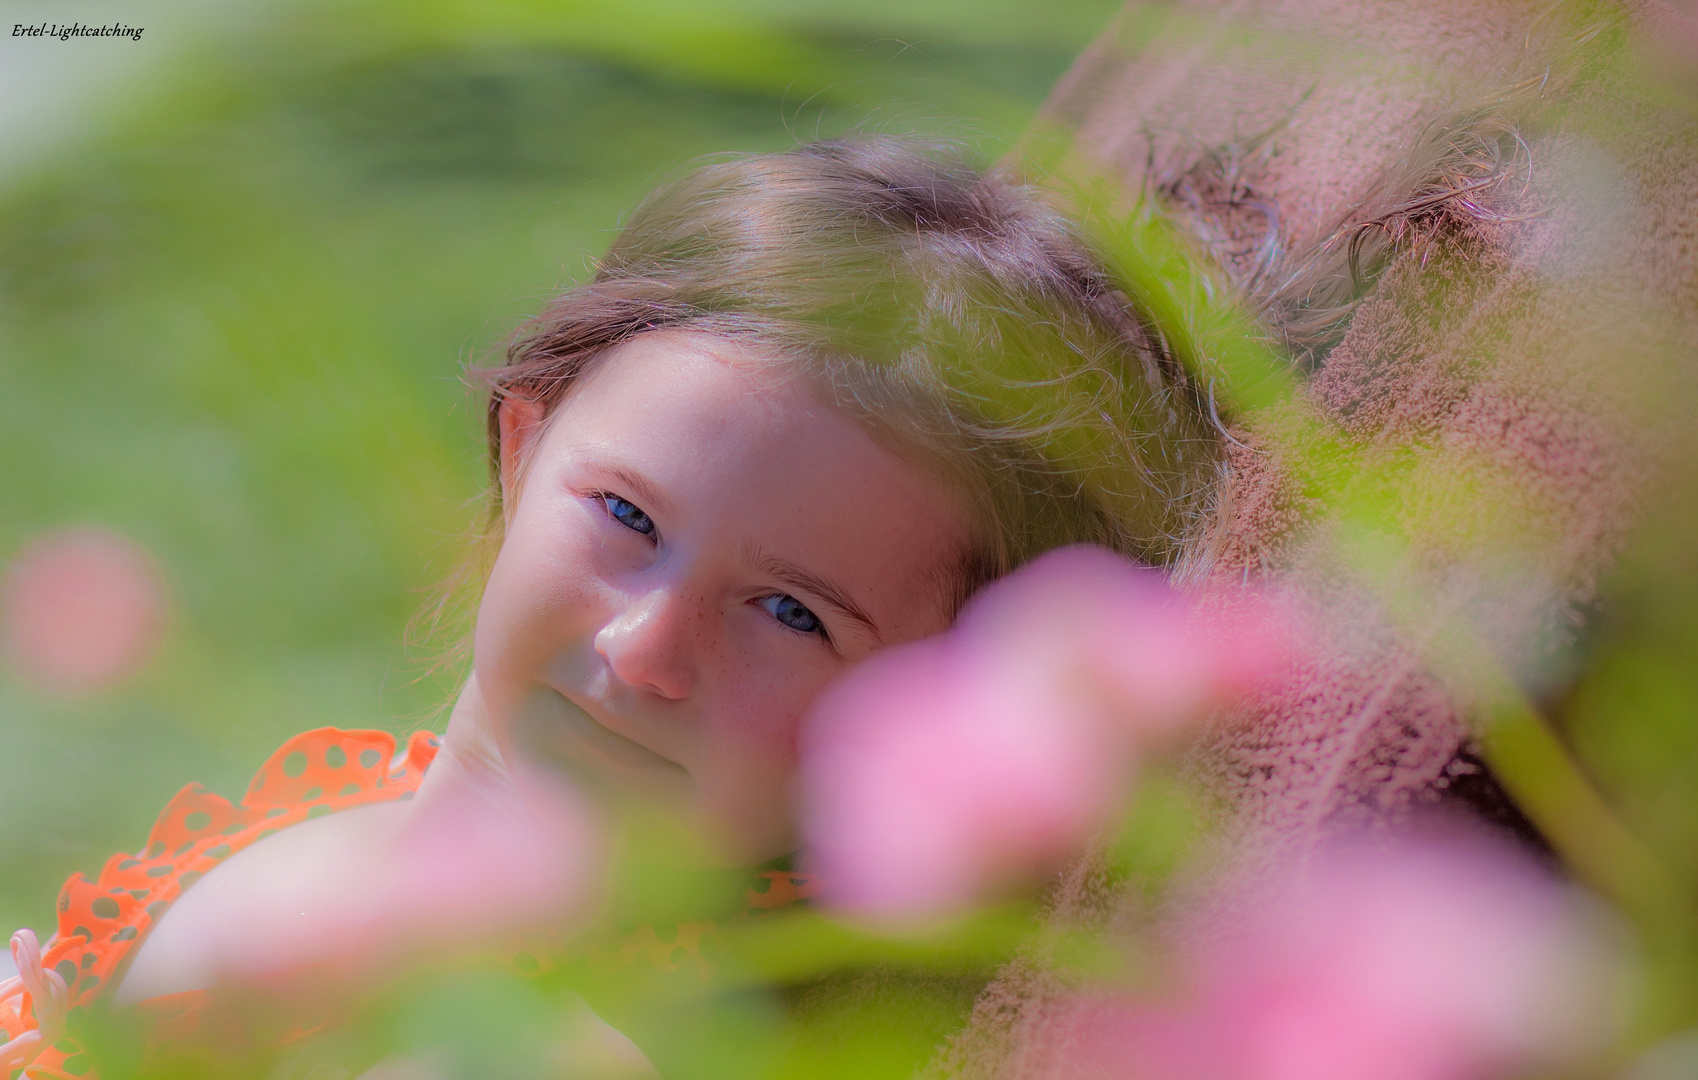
747, 843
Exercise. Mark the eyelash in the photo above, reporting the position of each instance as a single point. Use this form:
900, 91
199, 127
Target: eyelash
608, 498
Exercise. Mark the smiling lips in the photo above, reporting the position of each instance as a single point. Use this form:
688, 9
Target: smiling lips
572, 733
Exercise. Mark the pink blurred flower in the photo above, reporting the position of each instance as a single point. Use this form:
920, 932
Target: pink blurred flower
81, 610
1150, 656
942, 768
939, 772
1429, 960
462, 870
468, 863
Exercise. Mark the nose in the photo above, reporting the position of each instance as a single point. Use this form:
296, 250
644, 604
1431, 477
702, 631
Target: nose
646, 644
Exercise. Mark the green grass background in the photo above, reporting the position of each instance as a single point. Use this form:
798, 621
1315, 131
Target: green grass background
234, 309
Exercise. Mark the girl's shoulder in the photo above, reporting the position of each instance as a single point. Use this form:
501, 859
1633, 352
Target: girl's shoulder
102, 921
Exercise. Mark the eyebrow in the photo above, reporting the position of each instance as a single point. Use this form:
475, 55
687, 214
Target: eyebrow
637, 484
788, 573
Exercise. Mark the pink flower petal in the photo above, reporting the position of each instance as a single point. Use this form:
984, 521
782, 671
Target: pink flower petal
943, 769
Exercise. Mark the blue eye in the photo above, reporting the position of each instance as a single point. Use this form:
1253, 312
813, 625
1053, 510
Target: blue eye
789, 611
627, 514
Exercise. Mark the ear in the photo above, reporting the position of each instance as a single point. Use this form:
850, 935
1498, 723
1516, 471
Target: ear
521, 429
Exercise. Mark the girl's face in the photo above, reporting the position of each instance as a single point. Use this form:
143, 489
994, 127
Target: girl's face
698, 546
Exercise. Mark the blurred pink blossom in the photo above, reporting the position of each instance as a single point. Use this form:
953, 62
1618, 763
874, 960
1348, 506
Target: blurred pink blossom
1150, 656
460, 870
467, 862
939, 772
1429, 960
81, 610
943, 768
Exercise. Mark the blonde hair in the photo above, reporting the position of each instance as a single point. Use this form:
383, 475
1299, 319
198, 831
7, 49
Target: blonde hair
952, 311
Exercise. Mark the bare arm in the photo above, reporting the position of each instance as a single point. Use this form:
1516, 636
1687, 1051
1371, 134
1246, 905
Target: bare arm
289, 895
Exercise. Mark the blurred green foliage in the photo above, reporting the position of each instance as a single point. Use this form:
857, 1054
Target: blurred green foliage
233, 321
232, 325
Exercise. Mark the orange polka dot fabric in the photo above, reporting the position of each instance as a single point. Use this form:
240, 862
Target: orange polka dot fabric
102, 920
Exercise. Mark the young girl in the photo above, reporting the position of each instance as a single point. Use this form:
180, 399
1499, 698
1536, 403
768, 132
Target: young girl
808, 404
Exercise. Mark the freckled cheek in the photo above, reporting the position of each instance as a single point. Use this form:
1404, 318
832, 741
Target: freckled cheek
752, 726
747, 779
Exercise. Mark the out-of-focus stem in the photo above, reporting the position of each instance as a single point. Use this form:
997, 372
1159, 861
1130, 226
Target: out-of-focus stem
1536, 769
1538, 772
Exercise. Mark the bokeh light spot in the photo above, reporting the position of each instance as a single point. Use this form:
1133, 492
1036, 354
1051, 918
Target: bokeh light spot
81, 610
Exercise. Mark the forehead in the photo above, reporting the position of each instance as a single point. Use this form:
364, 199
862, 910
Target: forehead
745, 453
675, 380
